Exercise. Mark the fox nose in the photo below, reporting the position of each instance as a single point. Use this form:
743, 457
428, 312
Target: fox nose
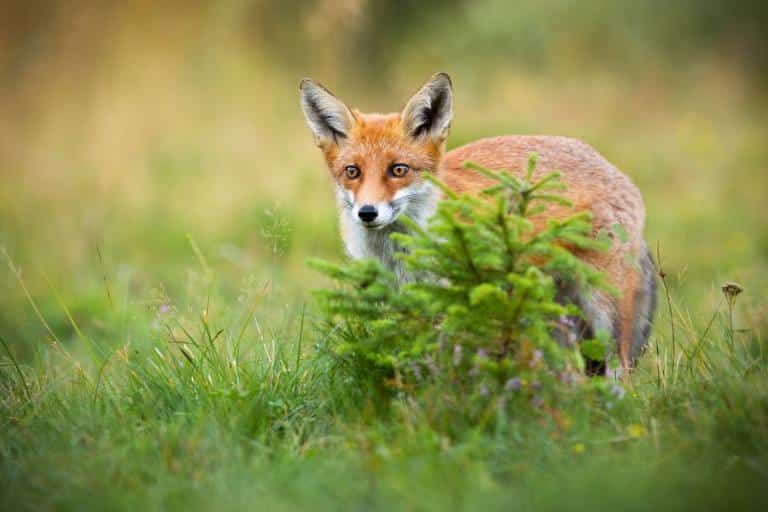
367, 213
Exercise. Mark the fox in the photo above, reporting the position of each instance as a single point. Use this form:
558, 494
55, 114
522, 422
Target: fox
379, 162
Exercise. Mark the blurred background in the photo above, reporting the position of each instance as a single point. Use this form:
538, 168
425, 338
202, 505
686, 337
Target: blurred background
129, 128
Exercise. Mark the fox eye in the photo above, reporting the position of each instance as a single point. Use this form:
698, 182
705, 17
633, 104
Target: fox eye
399, 170
352, 172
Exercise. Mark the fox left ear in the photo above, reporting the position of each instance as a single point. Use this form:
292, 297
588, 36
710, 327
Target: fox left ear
328, 117
429, 112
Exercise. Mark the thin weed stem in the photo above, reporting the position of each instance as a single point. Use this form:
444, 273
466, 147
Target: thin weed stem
104, 279
731, 291
17, 273
18, 369
663, 277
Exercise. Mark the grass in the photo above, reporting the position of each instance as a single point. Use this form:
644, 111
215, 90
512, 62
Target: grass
213, 403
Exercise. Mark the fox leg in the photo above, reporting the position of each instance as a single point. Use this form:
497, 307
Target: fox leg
626, 318
600, 314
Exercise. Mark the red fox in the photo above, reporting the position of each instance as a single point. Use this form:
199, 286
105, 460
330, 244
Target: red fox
378, 161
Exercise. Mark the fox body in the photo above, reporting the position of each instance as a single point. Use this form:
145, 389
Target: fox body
378, 162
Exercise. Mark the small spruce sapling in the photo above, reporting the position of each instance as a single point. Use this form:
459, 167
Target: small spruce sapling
477, 326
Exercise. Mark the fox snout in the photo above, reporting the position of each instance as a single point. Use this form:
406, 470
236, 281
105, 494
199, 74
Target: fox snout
375, 215
368, 213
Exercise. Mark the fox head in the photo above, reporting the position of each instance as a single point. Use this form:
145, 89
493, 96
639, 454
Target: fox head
378, 160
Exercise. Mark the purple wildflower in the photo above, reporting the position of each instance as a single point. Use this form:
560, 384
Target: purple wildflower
618, 391
513, 384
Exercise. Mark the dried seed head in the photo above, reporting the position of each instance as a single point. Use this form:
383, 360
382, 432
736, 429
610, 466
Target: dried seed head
731, 290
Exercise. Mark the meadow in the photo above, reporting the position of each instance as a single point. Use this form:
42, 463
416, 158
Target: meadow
160, 196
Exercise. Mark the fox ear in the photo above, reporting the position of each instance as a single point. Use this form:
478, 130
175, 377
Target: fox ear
429, 112
328, 117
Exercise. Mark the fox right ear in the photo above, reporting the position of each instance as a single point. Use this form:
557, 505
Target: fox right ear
429, 112
328, 117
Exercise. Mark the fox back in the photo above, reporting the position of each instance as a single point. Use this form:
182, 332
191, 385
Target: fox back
378, 162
